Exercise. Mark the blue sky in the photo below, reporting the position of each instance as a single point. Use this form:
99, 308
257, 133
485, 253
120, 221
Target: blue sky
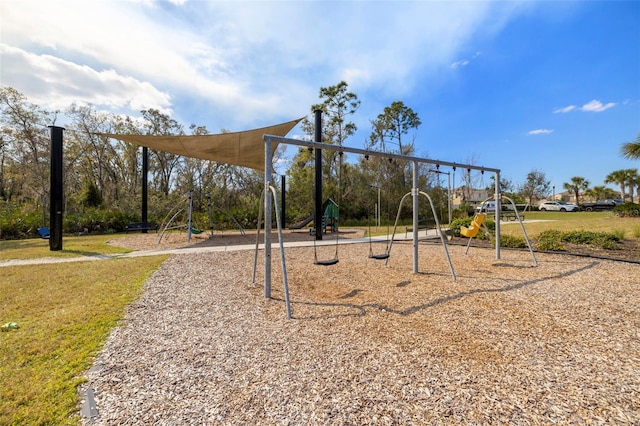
548, 85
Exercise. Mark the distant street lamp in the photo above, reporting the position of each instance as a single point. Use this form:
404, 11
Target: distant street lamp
448, 188
377, 209
554, 192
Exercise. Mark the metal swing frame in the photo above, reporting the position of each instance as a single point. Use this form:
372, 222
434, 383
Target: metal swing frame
270, 140
498, 213
415, 193
267, 249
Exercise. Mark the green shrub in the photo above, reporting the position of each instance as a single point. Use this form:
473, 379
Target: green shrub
16, 224
455, 225
580, 237
618, 234
98, 220
606, 240
512, 241
609, 244
550, 240
627, 210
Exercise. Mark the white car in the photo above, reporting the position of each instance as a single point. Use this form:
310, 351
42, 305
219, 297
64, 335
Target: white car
489, 206
558, 206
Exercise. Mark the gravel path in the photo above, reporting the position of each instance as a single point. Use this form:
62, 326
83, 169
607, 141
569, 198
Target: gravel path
373, 344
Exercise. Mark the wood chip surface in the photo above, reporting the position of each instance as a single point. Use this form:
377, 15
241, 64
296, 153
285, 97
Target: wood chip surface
506, 343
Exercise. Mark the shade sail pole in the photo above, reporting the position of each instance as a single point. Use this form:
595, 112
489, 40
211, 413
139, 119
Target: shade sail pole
56, 190
145, 192
318, 187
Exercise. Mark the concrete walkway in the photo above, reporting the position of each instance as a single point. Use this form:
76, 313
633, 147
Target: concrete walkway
189, 250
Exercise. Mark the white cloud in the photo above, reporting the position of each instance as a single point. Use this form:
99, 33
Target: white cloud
564, 109
593, 106
55, 83
233, 59
465, 62
462, 63
597, 106
540, 132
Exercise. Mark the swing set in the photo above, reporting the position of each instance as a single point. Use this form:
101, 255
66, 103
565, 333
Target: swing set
415, 193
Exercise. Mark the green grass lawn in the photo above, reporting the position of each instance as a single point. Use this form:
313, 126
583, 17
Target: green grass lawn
72, 246
65, 313
575, 221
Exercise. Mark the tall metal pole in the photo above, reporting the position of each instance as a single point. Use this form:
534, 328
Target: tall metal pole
449, 196
145, 173
379, 206
283, 203
56, 205
318, 193
210, 210
498, 213
190, 218
415, 191
267, 218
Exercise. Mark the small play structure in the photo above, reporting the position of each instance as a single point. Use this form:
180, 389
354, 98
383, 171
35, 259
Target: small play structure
329, 218
180, 217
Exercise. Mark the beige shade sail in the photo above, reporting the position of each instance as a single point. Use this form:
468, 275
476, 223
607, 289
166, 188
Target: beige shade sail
245, 149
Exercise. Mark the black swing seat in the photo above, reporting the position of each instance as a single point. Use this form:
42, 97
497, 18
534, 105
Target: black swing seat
380, 256
327, 262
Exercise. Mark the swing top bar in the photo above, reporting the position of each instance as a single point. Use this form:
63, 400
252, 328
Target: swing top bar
342, 148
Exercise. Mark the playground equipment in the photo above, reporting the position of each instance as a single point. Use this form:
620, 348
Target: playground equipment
267, 252
168, 225
415, 192
385, 254
329, 218
498, 214
270, 141
335, 209
473, 228
170, 220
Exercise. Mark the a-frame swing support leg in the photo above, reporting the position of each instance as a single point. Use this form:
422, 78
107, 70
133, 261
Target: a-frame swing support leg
415, 193
269, 203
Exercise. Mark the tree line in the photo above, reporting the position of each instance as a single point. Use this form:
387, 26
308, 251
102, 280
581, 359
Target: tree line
103, 174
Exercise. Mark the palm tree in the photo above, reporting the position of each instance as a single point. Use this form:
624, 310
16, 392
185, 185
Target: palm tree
633, 181
619, 177
631, 150
600, 192
577, 184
